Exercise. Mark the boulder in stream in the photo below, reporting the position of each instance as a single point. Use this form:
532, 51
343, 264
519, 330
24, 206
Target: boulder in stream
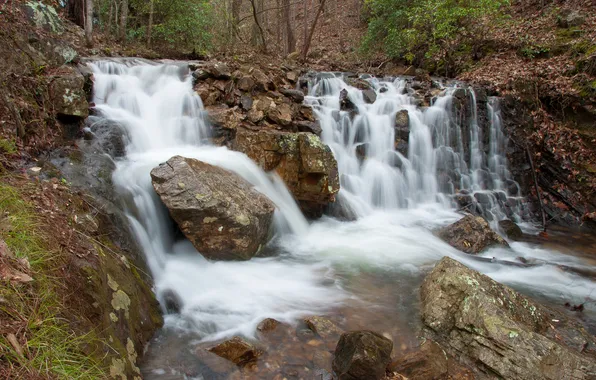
471, 234
238, 351
345, 104
510, 229
218, 211
362, 355
498, 332
303, 162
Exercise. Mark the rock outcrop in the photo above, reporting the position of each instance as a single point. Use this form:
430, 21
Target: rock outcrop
499, 332
68, 95
303, 162
362, 355
471, 234
219, 212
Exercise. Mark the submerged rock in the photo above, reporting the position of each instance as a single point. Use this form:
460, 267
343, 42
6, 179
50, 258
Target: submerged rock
219, 212
303, 162
498, 331
362, 355
238, 351
471, 234
370, 96
324, 328
429, 362
510, 229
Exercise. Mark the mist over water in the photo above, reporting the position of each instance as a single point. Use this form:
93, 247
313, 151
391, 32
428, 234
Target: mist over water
394, 201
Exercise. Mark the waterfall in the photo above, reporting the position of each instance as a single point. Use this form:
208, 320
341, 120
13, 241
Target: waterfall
160, 117
446, 157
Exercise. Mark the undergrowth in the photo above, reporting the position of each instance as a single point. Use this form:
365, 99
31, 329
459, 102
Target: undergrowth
47, 346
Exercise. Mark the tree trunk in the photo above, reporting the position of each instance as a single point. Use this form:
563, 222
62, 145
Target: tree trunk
290, 40
150, 26
305, 20
76, 12
258, 34
312, 31
236, 6
89, 22
123, 19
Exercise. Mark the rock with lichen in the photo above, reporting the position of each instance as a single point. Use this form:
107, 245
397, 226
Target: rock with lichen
497, 331
471, 234
218, 211
303, 162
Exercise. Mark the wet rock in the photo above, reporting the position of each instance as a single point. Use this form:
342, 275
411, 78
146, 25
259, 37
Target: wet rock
429, 362
497, 331
569, 18
214, 366
219, 212
362, 355
267, 325
68, 96
359, 83
510, 229
238, 351
172, 302
345, 104
303, 162
471, 234
324, 328
296, 95
402, 131
280, 114
370, 96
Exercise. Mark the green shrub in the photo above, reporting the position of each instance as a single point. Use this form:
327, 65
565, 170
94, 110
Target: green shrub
429, 30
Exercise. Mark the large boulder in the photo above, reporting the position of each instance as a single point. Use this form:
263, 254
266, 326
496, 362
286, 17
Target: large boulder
471, 234
44, 16
510, 229
304, 163
67, 91
219, 212
238, 351
362, 355
497, 331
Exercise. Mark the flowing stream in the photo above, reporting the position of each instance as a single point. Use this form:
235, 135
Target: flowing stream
365, 271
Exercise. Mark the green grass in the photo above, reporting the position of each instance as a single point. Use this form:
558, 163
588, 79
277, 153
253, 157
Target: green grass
52, 349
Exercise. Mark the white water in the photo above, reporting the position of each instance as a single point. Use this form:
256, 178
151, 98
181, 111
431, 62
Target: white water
397, 200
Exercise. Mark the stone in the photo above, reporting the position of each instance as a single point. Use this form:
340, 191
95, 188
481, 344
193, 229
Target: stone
238, 351
44, 16
402, 131
219, 70
309, 126
222, 215
362, 355
303, 162
245, 83
345, 104
495, 330
262, 81
280, 114
370, 96
570, 18
246, 102
215, 366
224, 117
292, 76
267, 325
307, 113
471, 234
510, 229
67, 92
430, 361
359, 83
297, 96
323, 327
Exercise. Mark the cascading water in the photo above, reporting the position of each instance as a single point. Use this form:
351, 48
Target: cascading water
395, 199
162, 117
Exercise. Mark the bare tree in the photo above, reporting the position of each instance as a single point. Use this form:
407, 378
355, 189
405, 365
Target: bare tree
312, 30
258, 34
89, 22
289, 33
123, 19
